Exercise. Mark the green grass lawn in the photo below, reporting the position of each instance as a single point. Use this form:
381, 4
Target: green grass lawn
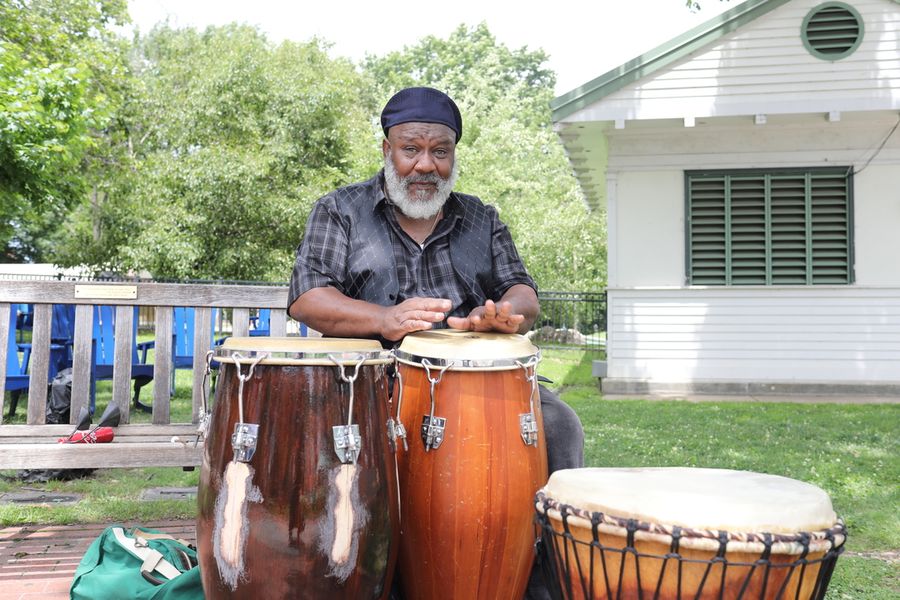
851, 451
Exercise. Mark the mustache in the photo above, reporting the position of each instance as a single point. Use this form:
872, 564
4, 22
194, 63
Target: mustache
423, 178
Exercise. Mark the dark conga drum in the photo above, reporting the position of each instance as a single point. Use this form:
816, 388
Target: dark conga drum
298, 493
475, 458
682, 533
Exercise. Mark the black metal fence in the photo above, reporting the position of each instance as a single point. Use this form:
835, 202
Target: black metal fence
574, 320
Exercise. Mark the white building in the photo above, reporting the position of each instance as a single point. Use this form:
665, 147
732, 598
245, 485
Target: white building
750, 171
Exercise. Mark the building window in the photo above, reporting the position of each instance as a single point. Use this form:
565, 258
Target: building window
772, 227
832, 31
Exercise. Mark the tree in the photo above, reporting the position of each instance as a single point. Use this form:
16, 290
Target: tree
61, 73
694, 6
508, 155
232, 139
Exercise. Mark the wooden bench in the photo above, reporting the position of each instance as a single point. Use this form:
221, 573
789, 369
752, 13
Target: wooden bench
160, 443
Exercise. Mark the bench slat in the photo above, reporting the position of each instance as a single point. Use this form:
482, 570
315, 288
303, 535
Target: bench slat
162, 365
98, 456
55, 431
81, 361
39, 366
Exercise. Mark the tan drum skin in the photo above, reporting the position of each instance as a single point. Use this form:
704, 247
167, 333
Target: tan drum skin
466, 507
703, 502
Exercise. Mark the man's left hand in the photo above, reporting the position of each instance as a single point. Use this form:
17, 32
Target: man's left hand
492, 316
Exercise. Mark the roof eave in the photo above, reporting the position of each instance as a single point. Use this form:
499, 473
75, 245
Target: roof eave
660, 57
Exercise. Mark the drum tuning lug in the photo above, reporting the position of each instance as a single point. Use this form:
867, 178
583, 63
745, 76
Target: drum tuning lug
395, 431
347, 442
202, 428
528, 427
392, 434
243, 441
433, 431
401, 434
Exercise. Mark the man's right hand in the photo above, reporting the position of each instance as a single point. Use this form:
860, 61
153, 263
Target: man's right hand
414, 314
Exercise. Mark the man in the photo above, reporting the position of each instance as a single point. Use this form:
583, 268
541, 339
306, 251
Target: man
402, 252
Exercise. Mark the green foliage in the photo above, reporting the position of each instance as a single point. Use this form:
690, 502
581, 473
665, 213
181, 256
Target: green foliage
232, 139
61, 76
198, 154
508, 154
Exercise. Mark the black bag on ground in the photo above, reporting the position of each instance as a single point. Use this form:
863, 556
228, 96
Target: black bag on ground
59, 400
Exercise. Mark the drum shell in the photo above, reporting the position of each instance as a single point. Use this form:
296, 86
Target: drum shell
466, 507
295, 468
586, 573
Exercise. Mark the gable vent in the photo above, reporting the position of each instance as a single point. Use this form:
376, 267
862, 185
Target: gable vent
832, 31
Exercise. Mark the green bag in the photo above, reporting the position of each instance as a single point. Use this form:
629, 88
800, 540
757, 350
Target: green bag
141, 564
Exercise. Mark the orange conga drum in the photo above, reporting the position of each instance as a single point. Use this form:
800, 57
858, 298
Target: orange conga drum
474, 457
681, 533
296, 497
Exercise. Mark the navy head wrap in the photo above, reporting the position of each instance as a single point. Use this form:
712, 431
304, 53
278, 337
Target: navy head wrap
421, 105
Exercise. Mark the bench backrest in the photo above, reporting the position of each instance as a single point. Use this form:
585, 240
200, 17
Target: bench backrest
119, 315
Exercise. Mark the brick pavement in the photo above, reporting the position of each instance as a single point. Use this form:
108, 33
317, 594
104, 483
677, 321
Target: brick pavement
37, 562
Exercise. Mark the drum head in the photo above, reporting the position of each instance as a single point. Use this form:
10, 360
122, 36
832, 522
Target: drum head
467, 349
710, 499
301, 351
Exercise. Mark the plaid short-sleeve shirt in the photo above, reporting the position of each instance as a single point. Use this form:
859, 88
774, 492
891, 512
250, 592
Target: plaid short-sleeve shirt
423, 271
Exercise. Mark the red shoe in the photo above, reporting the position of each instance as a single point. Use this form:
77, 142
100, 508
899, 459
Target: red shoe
97, 435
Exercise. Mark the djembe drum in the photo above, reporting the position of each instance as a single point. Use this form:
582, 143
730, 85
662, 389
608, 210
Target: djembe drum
474, 457
296, 497
673, 533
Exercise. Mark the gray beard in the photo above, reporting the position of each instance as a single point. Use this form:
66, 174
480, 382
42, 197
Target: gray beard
417, 205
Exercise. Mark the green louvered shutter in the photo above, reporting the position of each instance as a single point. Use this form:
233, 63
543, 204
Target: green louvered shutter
788, 229
784, 227
830, 242
707, 230
748, 230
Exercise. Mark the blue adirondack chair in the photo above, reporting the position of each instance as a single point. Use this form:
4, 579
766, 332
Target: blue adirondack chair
24, 319
261, 323
183, 319
16, 377
61, 336
103, 354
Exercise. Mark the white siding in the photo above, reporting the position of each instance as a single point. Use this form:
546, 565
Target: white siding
648, 247
876, 217
649, 221
764, 68
787, 335
661, 331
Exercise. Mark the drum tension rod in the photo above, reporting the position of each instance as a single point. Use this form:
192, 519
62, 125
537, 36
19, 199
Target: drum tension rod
243, 440
432, 426
347, 441
395, 429
203, 426
528, 421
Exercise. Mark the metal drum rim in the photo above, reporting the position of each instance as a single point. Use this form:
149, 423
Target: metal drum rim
481, 364
317, 358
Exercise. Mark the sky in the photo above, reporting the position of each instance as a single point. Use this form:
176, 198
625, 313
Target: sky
583, 39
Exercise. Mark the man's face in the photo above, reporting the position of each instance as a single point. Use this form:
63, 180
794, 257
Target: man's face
419, 163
